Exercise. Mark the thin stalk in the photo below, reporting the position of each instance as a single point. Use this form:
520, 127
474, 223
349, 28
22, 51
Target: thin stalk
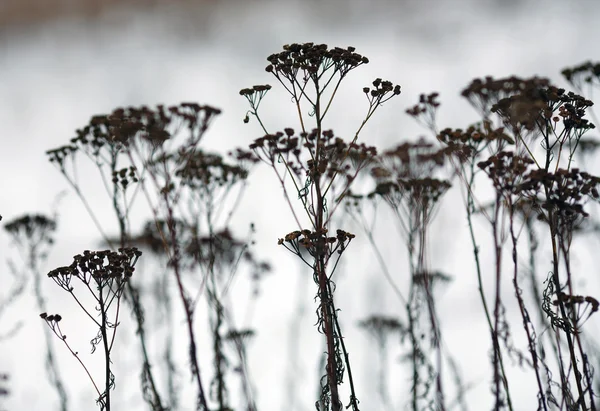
524, 314
562, 309
147, 375
195, 367
105, 343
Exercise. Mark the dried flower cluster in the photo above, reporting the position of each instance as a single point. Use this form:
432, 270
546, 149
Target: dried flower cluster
579, 306
382, 91
420, 192
34, 229
430, 278
585, 73
564, 190
317, 244
202, 170
425, 111
100, 267
469, 143
534, 106
312, 60
254, 96
329, 157
572, 300
506, 170
125, 176
409, 160
107, 135
50, 318
484, 94
404, 175
381, 325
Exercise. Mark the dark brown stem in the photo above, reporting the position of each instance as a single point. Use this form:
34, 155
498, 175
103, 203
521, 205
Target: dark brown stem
524, 314
195, 368
107, 372
499, 370
557, 289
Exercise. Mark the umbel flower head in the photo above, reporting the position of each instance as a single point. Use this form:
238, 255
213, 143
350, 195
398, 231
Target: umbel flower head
585, 73
506, 170
107, 135
98, 267
566, 190
36, 228
484, 94
317, 243
466, 145
312, 60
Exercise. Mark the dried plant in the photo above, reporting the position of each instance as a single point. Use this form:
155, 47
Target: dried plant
34, 237
520, 169
321, 168
156, 152
405, 179
381, 329
104, 274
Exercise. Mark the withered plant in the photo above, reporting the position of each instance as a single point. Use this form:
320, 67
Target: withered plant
520, 169
156, 152
381, 328
33, 235
406, 178
539, 127
104, 275
318, 167
464, 148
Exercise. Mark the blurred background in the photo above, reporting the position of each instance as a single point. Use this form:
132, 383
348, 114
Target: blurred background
62, 61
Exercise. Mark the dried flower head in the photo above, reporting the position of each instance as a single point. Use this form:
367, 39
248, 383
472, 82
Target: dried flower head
102, 268
580, 307
301, 62
108, 135
255, 94
409, 160
33, 229
430, 279
382, 91
124, 177
220, 248
564, 191
317, 243
506, 170
404, 178
425, 111
203, 171
315, 156
381, 326
484, 94
536, 108
585, 73
240, 336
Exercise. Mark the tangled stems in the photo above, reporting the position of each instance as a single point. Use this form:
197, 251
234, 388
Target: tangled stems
160, 143
530, 109
527, 324
507, 171
405, 179
103, 148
